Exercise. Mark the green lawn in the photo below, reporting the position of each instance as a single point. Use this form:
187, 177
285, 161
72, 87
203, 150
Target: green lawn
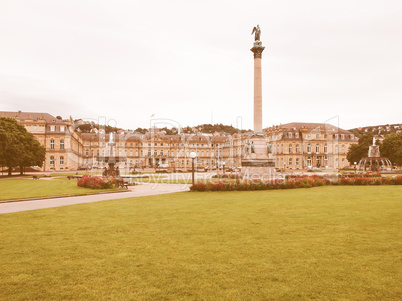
28, 188
325, 243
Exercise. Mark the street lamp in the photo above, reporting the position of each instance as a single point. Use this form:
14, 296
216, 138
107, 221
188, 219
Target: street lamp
355, 166
223, 167
193, 155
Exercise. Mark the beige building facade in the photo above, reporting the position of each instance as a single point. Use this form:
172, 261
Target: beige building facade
295, 146
62, 143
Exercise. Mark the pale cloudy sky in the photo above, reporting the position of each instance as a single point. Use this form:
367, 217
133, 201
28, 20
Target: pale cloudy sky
190, 61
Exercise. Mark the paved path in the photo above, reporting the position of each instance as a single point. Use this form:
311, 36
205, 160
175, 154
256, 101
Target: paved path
136, 191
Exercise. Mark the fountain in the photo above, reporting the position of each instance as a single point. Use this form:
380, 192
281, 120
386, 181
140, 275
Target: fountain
374, 162
111, 159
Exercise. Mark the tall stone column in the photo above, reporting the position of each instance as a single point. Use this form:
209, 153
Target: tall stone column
257, 161
257, 50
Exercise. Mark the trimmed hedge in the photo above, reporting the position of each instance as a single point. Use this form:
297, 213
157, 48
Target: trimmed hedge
294, 182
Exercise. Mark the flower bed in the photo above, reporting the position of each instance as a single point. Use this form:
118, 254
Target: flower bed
294, 182
96, 182
226, 176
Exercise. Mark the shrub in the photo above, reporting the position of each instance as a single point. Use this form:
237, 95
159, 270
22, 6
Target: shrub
227, 176
94, 182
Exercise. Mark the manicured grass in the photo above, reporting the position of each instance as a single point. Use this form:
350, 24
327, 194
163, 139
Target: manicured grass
28, 188
326, 243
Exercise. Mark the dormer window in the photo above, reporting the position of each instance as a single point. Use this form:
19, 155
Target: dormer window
62, 128
52, 128
290, 135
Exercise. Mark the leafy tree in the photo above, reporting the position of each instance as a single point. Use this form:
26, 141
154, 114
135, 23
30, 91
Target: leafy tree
18, 147
391, 147
141, 131
360, 150
85, 128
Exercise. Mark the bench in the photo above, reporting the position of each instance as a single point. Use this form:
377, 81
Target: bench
121, 183
35, 178
74, 177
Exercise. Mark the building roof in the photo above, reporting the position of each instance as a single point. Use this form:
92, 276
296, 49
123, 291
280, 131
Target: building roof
29, 115
298, 126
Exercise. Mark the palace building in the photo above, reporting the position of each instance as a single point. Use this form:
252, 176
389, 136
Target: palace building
62, 143
295, 146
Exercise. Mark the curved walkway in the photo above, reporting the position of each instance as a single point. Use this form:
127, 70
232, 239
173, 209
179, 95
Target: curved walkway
136, 191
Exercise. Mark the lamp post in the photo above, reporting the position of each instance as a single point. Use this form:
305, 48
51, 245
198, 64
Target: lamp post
193, 155
223, 167
355, 166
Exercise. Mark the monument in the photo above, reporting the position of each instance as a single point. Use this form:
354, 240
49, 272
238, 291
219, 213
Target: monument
111, 159
257, 160
374, 162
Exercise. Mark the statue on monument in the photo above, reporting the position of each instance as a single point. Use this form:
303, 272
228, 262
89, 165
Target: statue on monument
257, 32
252, 148
246, 151
269, 148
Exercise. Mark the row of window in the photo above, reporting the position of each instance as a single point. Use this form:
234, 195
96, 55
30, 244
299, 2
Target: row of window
155, 144
181, 154
141, 162
61, 160
317, 136
309, 162
53, 128
52, 144
309, 148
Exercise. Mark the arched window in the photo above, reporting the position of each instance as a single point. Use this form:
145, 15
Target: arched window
317, 148
309, 148
326, 148
290, 148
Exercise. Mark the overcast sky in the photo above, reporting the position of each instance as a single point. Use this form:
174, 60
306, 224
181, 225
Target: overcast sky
190, 61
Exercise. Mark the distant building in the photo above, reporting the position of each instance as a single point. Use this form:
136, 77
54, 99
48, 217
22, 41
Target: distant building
295, 146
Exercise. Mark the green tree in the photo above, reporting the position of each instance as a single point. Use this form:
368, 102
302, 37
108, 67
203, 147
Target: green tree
391, 147
18, 147
360, 150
